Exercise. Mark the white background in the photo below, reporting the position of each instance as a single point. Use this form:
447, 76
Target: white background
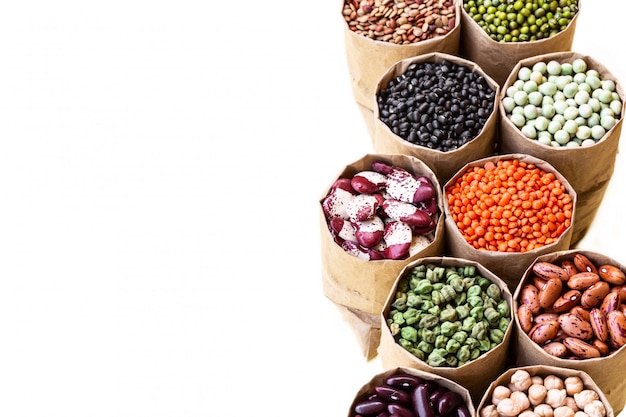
160, 170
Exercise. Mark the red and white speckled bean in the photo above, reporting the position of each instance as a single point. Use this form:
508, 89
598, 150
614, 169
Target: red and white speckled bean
369, 232
405, 212
363, 206
368, 182
398, 236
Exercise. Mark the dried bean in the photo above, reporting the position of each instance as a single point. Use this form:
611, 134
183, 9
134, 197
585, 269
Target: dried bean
517, 21
587, 320
396, 21
438, 105
407, 395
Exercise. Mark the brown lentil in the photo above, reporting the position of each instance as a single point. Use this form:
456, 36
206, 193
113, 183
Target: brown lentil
400, 22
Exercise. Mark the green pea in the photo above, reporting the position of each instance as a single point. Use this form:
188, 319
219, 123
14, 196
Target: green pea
521, 98
605, 96
570, 89
588, 142
570, 113
598, 132
582, 97
409, 333
529, 131
579, 78
530, 111
607, 122
608, 85
616, 106
583, 132
561, 137
541, 123
425, 346
524, 73
509, 104
593, 120
566, 68
585, 110
579, 65
553, 68
544, 138
535, 98
540, 67
547, 88
548, 111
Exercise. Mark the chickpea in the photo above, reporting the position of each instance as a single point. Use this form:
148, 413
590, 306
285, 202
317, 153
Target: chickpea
553, 382
595, 409
544, 410
556, 397
571, 403
520, 398
563, 411
499, 393
573, 385
489, 411
584, 397
508, 408
537, 393
536, 380
521, 380
581, 414
528, 413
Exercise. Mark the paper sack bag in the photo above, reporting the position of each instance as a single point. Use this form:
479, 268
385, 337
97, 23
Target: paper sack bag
476, 374
499, 58
508, 266
606, 371
360, 288
444, 164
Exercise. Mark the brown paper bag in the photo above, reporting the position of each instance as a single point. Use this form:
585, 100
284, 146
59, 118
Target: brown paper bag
368, 388
508, 266
606, 371
498, 58
368, 59
444, 164
588, 169
543, 371
474, 375
359, 288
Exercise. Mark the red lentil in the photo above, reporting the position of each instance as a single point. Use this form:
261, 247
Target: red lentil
509, 206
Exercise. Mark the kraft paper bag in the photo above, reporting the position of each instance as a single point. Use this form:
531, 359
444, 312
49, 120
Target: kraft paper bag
360, 288
368, 59
543, 371
475, 375
587, 169
606, 371
508, 266
444, 164
498, 58
379, 379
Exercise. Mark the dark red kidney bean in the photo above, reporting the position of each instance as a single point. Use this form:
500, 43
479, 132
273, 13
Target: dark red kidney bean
463, 411
396, 409
370, 407
438, 392
392, 394
403, 381
431, 385
383, 414
421, 402
449, 402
